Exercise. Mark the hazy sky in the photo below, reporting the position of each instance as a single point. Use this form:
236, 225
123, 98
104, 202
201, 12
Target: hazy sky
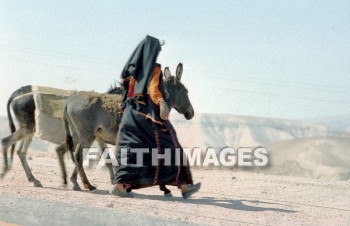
285, 59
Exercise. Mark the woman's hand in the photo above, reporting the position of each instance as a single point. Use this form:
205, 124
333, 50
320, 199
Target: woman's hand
164, 110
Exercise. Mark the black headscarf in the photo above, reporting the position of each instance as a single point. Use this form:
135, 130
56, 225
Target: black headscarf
141, 64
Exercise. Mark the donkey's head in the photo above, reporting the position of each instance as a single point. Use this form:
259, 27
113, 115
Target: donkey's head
178, 94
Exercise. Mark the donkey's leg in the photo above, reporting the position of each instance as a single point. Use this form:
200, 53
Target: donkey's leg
7, 142
18, 150
79, 158
109, 165
23, 157
60, 150
12, 151
11, 158
74, 178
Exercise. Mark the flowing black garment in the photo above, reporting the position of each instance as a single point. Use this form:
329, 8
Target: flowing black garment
136, 131
141, 127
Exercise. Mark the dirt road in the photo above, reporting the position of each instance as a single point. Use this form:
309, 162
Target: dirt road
226, 197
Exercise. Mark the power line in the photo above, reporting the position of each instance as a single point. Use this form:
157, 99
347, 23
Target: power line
252, 79
113, 74
278, 95
208, 74
270, 81
66, 67
61, 55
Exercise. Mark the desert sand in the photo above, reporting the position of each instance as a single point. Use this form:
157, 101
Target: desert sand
227, 196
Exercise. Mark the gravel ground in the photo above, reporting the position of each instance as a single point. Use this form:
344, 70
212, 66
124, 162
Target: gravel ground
226, 197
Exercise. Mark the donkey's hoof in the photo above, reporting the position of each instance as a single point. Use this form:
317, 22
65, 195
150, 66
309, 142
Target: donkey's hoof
168, 194
90, 187
76, 187
37, 184
5, 170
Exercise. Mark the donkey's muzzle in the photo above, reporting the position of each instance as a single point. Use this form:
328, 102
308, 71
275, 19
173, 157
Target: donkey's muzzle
189, 115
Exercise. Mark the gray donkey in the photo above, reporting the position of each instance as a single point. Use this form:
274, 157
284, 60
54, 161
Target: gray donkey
23, 106
90, 115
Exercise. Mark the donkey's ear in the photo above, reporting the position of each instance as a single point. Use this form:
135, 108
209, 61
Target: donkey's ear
179, 70
167, 74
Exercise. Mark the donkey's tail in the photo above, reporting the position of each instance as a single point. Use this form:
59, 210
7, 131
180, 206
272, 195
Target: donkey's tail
13, 129
69, 138
11, 124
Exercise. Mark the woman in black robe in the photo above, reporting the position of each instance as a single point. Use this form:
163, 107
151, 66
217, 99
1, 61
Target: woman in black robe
145, 126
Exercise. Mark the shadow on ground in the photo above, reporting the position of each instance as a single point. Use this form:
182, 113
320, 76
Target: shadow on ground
213, 201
